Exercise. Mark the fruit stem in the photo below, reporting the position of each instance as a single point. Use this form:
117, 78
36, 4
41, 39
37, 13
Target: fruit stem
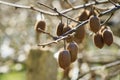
64, 44
61, 19
41, 16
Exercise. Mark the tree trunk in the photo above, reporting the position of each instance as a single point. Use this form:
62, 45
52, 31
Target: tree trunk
41, 65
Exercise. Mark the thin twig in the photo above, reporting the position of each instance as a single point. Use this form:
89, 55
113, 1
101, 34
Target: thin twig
46, 33
107, 20
83, 23
109, 11
49, 43
65, 35
100, 67
56, 13
50, 13
69, 3
60, 14
75, 28
14, 5
28, 7
113, 74
84, 5
113, 3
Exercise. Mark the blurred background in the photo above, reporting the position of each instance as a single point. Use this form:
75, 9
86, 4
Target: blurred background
22, 59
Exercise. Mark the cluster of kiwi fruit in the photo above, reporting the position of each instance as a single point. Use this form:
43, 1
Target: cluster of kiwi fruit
101, 35
69, 55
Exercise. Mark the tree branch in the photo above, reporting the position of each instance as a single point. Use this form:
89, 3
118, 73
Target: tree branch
107, 19
46, 33
57, 40
57, 13
83, 23
100, 67
65, 35
60, 14
27, 7
109, 11
50, 13
82, 6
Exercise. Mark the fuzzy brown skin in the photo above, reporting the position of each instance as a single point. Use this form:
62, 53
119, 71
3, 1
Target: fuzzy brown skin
73, 49
94, 24
84, 16
40, 25
108, 37
79, 34
60, 29
64, 59
65, 29
98, 40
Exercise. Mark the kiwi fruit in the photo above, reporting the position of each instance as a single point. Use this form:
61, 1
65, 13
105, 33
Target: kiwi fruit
83, 16
94, 24
79, 34
107, 37
66, 28
73, 49
64, 59
40, 25
60, 29
98, 40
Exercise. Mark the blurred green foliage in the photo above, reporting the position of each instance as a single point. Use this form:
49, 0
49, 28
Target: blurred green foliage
13, 76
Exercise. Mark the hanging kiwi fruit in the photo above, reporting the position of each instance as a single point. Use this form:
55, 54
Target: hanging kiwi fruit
98, 40
84, 15
64, 59
65, 29
92, 11
107, 36
40, 25
94, 24
60, 29
79, 34
73, 49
